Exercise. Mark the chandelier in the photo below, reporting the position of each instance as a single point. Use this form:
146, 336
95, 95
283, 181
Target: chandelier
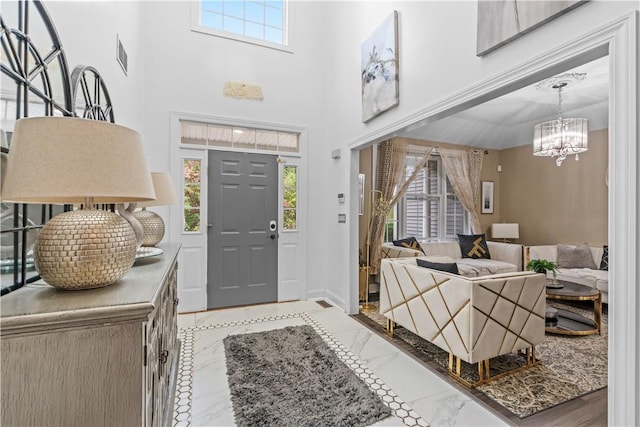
561, 137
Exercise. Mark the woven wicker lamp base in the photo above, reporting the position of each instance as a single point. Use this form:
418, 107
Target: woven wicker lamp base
85, 249
152, 225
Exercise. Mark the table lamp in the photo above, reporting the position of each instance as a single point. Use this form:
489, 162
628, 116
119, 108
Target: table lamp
505, 231
66, 160
152, 223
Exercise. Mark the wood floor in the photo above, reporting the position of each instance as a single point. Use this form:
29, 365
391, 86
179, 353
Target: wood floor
588, 410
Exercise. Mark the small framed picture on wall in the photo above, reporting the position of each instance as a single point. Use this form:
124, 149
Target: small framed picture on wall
487, 197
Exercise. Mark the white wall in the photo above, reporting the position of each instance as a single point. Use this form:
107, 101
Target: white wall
437, 52
438, 63
88, 32
437, 59
318, 86
186, 71
174, 69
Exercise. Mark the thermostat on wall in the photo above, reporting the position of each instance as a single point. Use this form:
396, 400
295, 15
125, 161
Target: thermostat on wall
340, 197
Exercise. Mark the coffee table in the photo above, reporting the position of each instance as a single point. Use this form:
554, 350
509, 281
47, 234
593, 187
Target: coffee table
569, 323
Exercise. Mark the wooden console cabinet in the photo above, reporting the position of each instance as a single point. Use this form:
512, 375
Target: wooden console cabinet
98, 357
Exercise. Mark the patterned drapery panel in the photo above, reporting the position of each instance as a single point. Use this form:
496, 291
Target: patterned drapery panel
456, 166
390, 162
391, 185
416, 170
475, 168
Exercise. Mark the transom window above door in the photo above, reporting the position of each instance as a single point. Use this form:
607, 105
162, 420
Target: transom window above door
239, 137
256, 21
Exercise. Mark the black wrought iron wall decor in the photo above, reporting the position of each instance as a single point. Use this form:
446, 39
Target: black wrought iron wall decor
35, 81
90, 95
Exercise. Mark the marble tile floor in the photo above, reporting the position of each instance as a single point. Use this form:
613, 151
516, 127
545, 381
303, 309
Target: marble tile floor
416, 395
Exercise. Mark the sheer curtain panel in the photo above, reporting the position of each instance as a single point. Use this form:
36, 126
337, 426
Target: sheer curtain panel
456, 166
391, 185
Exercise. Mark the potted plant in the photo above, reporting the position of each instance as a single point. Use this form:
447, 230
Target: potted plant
542, 266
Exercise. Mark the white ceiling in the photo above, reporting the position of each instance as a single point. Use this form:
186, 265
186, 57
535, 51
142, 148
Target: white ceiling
508, 121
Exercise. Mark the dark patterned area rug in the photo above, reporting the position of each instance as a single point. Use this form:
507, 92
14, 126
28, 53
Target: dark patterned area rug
571, 366
290, 377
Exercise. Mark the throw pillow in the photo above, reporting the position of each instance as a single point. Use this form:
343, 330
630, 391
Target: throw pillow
604, 262
578, 257
473, 246
409, 242
447, 267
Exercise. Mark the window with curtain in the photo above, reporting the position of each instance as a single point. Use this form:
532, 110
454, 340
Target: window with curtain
392, 228
429, 210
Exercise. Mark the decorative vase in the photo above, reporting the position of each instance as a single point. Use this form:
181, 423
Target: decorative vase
152, 226
84, 249
551, 316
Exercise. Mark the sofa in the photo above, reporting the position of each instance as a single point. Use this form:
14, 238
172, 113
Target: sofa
472, 318
590, 276
505, 257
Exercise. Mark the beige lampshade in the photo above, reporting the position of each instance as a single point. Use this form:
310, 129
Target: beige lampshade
165, 192
65, 160
70, 160
505, 231
152, 223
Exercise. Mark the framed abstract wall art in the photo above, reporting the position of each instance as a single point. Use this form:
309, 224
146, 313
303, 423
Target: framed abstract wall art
487, 197
501, 21
379, 69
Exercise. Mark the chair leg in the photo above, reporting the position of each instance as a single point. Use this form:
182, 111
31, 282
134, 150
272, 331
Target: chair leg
484, 371
390, 325
455, 371
484, 368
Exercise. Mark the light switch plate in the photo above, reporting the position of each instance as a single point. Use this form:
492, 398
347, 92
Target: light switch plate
342, 218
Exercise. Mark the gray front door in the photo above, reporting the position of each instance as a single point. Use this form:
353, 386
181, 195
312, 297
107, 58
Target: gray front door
242, 265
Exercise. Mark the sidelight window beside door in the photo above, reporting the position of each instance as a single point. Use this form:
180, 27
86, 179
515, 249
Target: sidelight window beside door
192, 184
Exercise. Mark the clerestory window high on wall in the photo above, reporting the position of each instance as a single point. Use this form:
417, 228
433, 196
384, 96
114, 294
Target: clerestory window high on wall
253, 21
429, 210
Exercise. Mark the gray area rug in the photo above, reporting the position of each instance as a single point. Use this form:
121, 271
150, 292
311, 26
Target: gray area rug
290, 377
571, 366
